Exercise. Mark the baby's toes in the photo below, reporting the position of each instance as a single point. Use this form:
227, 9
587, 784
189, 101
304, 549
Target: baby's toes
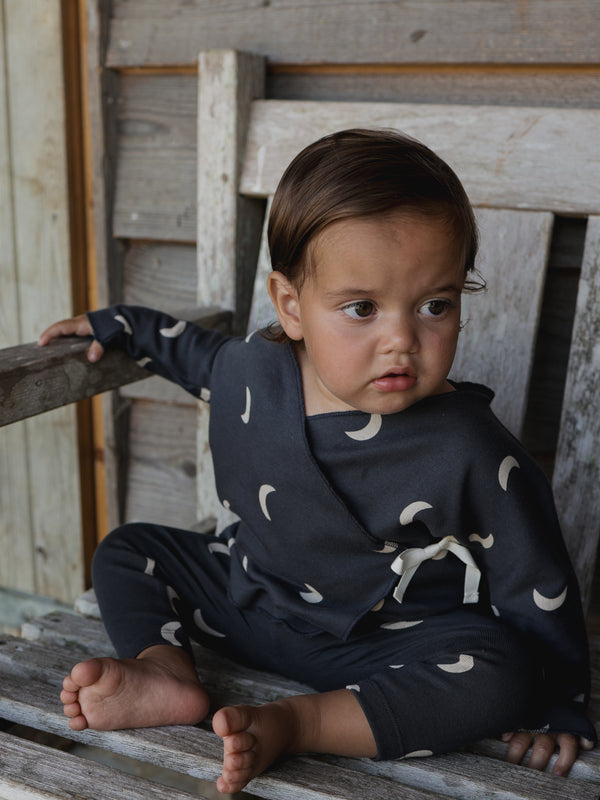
69, 684
239, 762
238, 743
71, 709
67, 697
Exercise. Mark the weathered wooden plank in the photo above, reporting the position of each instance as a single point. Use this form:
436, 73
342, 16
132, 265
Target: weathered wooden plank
162, 464
506, 157
35, 379
17, 565
329, 31
577, 474
229, 226
512, 260
35, 87
509, 85
30, 771
160, 275
157, 200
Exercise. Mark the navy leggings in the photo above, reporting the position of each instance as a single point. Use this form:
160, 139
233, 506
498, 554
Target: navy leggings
435, 686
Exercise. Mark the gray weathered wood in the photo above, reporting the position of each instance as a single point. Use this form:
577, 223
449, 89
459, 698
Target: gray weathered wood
30, 771
160, 275
577, 475
333, 31
497, 344
38, 246
229, 225
35, 379
506, 157
155, 197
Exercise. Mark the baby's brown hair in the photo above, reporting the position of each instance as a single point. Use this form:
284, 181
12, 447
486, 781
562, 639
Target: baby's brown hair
360, 173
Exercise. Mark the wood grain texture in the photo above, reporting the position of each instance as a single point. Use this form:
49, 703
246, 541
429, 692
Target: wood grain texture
30, 771
497, 344
332, 31
506, 157
577, 474
40, 248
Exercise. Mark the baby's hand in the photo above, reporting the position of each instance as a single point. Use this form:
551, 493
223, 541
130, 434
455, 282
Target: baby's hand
78, 326
543, 748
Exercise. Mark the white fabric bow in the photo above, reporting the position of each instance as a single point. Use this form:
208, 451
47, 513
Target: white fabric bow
409, 561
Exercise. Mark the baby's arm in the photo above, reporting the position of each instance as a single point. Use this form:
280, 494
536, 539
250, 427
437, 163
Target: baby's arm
77, 326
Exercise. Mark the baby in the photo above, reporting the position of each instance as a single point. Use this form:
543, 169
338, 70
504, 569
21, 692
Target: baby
394, 547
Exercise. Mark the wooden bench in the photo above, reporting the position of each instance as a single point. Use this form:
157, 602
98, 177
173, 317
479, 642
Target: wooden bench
526, 170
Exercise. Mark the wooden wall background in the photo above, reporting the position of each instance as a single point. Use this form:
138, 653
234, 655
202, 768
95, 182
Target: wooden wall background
41, 534
143, 110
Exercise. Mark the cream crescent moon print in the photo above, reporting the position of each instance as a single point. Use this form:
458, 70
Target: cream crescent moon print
168, 632
264, 491
312, 595
124, 323
370, 430
504, 471
549, 603
174, 331
246, 414
410, 512
203, 626
464, 664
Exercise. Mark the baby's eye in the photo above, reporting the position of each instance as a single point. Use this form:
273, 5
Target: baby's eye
360, 309
435, 308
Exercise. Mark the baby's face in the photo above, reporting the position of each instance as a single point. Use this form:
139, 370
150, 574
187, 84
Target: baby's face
380, 314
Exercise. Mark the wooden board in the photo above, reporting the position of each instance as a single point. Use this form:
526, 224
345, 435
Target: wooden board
16, 567
330, 31
577, 475
47, 558
30, 771
506, 157
497, 344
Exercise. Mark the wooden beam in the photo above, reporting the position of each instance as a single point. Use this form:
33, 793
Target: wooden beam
35, 379
326, 31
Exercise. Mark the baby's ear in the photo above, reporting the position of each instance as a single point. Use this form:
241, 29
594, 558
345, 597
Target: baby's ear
285, 298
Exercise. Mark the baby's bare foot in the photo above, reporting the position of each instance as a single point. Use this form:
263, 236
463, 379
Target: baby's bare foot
253, 738
160, 687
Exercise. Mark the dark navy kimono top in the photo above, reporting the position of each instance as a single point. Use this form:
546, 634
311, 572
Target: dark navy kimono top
424, 511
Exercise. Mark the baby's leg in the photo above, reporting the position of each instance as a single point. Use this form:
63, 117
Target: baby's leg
159, 687
151, 583
255, 736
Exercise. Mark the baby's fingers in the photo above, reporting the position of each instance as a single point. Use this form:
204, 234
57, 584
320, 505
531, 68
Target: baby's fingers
569, 748
77, 326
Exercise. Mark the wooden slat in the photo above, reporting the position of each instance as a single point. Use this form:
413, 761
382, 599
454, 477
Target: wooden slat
229, 226
510, 85
161, 476
160, 275
577, 475
328, 31
496, 346
35, 379
506, 157
156, 198
41, 252
30, 771
17, 567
